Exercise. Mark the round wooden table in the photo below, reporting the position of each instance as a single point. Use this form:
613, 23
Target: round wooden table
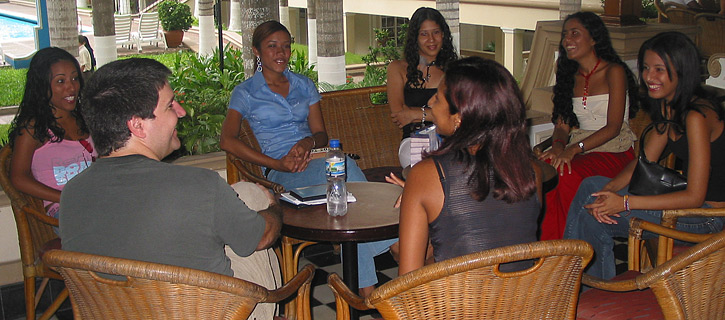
372, 217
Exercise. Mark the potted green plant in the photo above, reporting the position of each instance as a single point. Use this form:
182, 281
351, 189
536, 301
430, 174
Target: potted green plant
175, 18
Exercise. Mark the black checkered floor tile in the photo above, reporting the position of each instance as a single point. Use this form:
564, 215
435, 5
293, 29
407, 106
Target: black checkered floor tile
323, 257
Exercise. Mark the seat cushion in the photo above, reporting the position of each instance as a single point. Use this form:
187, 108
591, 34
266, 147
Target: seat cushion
599, 304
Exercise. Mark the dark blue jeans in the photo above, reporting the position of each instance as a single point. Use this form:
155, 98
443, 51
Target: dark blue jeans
582, 225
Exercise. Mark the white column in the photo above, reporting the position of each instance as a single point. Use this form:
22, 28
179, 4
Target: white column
284, 14
207, 37
105, 50
312, 40
235, 16
82, 3
331, 70
513, 51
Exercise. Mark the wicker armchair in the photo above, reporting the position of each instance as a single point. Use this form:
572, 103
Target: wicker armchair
35, 235
158, 291
679, 14
471, 286
712, 33
665, 248
690, 286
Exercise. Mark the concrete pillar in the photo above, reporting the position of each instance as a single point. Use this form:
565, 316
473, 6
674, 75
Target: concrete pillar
567, 7
513, 51
312, 31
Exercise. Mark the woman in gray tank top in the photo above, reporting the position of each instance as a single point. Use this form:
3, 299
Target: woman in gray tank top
478, 190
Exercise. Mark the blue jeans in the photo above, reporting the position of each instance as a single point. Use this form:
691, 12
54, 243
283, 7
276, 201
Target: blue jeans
315, 174
582, 225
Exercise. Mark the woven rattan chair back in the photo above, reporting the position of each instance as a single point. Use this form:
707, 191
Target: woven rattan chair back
35, 230
693, 287
472, 287
363, 128
689, 286
158, 291
681, 15
712, 33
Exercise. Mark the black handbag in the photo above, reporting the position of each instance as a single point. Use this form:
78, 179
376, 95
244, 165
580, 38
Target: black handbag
650, 178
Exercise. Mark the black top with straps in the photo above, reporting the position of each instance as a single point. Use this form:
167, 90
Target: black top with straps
416, 97
466, 226
716, 183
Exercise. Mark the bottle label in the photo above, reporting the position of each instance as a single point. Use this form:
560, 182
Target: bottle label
335, 168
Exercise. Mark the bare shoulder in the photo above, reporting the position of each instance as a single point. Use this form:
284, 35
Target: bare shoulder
615, 71
397, 66
423, 172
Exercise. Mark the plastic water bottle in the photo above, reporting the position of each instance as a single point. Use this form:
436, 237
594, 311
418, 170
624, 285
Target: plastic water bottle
336, 189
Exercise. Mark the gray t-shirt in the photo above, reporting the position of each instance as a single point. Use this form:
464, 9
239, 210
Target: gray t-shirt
137, 208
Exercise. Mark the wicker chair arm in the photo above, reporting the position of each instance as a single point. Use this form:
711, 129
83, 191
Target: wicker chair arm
251, 177
638, 225
343, 294
41, 216
303, 278
599, 283
713, 243
669, 217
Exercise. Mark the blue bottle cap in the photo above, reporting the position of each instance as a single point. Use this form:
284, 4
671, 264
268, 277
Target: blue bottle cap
334, 143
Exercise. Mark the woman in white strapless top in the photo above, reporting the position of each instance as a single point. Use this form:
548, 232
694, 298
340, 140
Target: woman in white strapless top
591, 111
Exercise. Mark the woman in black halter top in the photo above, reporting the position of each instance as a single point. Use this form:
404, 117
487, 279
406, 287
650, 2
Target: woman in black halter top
412, 81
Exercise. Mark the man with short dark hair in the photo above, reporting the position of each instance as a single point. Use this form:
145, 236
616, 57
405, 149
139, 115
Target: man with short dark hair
131, 205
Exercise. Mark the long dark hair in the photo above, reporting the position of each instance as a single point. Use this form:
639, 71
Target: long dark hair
411, 51
35, 107
681, 58
493, 119
566, 70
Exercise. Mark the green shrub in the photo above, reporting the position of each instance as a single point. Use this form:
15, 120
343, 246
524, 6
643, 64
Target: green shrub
4, 134
204, 92
175, 15
298, 63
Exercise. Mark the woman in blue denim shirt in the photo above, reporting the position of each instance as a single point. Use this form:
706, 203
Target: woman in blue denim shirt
283, 110
669, 68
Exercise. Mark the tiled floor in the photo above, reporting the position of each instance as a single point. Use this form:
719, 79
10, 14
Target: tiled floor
326, 262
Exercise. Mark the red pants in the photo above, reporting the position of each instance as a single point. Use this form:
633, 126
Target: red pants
582, 166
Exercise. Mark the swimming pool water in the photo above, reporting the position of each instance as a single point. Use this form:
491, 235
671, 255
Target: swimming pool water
11, 29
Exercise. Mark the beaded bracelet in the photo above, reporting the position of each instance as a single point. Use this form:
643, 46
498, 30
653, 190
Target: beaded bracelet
559, 141
424, 114
626, 205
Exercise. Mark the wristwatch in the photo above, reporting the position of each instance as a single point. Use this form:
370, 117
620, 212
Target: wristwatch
581, 146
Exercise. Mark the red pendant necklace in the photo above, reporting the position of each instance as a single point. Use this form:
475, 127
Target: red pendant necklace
586, 82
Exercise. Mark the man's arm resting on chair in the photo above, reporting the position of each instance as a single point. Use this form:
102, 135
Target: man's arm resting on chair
273, 224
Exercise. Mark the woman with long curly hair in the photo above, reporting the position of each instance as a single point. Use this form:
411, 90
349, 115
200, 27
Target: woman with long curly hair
413, 80
594, 97
51, 143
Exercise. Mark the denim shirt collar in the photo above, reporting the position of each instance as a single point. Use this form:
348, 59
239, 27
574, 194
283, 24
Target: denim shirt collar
259, 83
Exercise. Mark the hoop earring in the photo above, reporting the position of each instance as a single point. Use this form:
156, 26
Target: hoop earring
259, 64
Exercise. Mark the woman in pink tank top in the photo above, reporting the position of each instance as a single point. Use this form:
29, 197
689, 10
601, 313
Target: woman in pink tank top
49, 138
